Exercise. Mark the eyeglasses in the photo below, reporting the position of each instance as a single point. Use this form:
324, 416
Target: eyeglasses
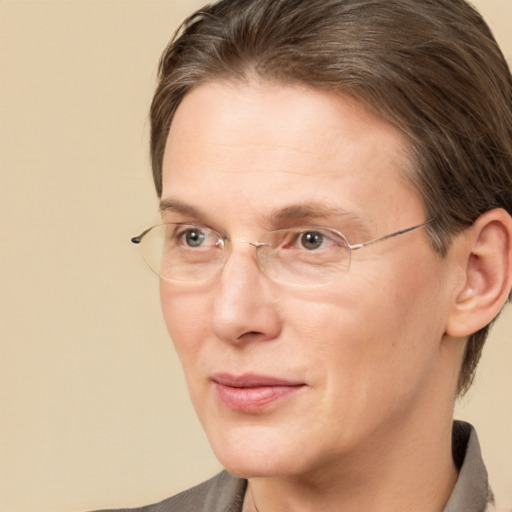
303, 256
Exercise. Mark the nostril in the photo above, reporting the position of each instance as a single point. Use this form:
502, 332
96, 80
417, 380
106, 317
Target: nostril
250, 335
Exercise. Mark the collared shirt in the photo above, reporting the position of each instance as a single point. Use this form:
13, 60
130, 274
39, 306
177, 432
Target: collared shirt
225, 493
471, 492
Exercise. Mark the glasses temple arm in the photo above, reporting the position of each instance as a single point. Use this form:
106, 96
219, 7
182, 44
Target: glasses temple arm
137, 239
390, 235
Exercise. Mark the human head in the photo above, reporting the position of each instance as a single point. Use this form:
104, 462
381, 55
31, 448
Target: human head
431, 68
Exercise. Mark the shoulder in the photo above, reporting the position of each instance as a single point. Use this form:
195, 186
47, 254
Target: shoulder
222, 493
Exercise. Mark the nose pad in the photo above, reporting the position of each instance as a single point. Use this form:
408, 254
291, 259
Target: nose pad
262, 257
245, 305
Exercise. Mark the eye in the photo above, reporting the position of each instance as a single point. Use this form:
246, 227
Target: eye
189, 236
311, 240
194, 237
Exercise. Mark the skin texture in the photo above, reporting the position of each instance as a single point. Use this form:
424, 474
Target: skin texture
371, 350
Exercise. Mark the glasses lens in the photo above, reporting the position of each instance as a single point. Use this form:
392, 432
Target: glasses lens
182, 252
306, 256
298, 256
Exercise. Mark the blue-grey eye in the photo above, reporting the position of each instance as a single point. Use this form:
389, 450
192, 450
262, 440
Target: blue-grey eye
311, 240
194, 237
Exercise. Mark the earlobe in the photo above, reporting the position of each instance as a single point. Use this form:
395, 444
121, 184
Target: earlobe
486, 258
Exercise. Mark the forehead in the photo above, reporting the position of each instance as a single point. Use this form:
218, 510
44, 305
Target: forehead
265, 146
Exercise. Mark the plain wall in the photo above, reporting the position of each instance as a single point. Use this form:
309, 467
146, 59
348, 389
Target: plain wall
94, 410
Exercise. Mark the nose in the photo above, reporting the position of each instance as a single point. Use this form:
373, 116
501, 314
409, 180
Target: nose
245, 303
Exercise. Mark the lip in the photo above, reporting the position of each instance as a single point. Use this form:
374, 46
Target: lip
251, 392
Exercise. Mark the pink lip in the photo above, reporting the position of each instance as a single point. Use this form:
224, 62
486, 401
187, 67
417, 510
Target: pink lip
252, 393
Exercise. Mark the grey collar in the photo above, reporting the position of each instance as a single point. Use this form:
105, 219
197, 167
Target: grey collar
471, 492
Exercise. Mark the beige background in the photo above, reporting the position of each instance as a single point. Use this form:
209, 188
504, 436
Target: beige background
94, 411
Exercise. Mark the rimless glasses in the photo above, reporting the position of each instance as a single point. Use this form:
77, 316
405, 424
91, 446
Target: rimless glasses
303, 256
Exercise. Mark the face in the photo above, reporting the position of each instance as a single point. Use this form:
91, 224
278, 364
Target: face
329, 371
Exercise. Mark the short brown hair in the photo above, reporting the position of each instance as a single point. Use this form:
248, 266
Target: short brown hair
430, 67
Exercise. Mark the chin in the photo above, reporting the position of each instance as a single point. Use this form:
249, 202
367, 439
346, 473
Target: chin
257, 452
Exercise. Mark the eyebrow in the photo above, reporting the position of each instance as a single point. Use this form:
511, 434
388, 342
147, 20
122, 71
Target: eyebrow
176, 206
279, 217
310, 211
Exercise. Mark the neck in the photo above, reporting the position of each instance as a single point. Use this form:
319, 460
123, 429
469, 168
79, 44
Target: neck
410, 472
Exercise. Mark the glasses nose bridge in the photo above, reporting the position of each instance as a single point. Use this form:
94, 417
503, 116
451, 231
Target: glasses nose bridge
257, 245
254, 244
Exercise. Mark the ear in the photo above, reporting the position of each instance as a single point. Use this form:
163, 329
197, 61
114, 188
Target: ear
484, 252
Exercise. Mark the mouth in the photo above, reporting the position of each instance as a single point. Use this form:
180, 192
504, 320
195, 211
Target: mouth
253, 393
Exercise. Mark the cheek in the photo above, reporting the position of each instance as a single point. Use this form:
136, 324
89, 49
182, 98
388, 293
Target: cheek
402, 325
185, 316
370, 331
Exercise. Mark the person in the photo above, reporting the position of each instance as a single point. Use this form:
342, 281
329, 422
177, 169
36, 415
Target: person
335, 183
